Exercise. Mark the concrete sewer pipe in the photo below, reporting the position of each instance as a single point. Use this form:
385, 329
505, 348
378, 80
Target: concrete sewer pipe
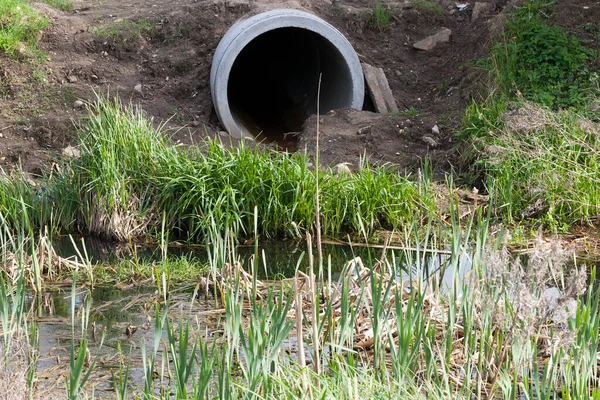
265, 73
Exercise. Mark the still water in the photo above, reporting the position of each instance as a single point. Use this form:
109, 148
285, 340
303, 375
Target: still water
114, 313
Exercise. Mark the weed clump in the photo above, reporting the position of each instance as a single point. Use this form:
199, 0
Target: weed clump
62, 5
543, 164
380, 17
126, 31
20, 26
545, 63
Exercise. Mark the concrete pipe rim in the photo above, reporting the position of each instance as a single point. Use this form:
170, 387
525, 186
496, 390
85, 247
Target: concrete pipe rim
247, 30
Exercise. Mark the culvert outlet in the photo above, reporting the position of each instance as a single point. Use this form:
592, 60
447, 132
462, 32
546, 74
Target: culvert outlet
265, 73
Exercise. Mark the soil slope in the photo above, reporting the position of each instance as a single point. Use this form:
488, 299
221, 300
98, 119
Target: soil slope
158, 54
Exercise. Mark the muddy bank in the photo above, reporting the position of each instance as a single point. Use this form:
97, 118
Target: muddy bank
158, 55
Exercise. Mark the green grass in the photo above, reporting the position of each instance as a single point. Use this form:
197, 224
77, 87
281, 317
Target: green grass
543, 166
126, 30
533, 141
20, 26
180, 269
543, 62
130, 176
380, 17
409, 112
428, 6
62, 5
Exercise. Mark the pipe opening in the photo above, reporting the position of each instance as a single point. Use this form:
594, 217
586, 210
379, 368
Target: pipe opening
272, 86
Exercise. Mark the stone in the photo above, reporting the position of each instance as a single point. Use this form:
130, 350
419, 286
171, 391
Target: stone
138, 88
480, 9
72, 78
78, 104
429, 141
379, 89
364, 130
429, 43
72, 152
435, 130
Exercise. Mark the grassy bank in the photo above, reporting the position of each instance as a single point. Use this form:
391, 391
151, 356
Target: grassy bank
132, 182
533, 140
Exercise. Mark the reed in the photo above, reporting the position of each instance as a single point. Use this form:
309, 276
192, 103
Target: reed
182, 357
486, 334
79, 355
148, 359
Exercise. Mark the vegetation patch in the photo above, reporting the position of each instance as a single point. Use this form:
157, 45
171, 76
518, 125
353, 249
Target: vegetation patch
507, 329
534, 142
544, 63
126, 30
428, 6
130, 180
62, 5
134, 272
20, 26
544, 165
380, 17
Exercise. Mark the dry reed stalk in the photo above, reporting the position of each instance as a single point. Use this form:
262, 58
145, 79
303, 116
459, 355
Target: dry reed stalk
317, 201
313, 300
13, 373
299, 325
123, 222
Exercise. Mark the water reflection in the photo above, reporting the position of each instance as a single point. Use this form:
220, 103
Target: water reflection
280, 259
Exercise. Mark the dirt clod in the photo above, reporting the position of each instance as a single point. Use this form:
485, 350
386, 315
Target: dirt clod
480, 9
429, 43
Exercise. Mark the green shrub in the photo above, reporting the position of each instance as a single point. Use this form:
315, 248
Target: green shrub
543, 62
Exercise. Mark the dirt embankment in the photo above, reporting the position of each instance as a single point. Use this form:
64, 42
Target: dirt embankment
158, 55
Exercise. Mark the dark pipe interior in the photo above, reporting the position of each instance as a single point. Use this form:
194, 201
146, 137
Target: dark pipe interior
273, 83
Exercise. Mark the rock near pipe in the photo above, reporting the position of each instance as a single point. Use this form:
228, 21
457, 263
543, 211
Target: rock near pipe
265, 73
